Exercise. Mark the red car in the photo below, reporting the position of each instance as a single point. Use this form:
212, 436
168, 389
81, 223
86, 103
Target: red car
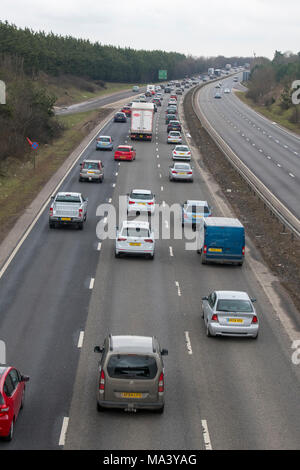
126, 110
12, 394
125, 152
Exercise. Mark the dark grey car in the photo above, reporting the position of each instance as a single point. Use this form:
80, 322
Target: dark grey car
131, 373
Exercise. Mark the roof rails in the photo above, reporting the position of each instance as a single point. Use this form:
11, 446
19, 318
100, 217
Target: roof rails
110, 342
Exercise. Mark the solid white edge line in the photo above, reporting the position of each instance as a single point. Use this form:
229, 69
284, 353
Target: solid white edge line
99, 246
62, 438
171, 251
80, 339
29, 229
205, 433
92, 283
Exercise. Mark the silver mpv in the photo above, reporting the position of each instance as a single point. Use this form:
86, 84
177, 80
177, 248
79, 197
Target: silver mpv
131, 373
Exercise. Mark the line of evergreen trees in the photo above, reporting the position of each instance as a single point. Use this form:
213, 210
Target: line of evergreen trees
56, 55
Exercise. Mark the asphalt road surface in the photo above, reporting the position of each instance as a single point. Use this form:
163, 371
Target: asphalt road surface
272, 153
220, 393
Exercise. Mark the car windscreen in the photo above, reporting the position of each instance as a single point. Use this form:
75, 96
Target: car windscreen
91, 166
135, 232
234, 305
142, 196
123, 366
68, 198
198, 209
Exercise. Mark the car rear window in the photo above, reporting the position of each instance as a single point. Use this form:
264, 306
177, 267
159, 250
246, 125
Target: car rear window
104, 139
143, 196
91, 166
68, 198
135, 232
124, 149
123, 366
198, 209
182, 167
182, 149
234, 305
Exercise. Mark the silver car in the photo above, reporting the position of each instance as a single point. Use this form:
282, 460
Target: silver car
181, 171
91, 170
140, 201
131, 373
174, 137
68, 209
181, 152
135, 238
230, 313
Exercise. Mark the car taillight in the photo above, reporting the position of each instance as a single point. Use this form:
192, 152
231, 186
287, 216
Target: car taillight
205, 249
243, 251
161, 385
122, 239
4, 409
150, 203
254, 319
214, 317
131, 202
174, 172
189, 172
80, 212
102, 381
148, 240
51, 210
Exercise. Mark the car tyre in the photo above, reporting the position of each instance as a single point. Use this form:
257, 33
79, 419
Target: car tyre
100, 408
117, 255
11, 432
208, 334
203, 260
80, 226
160, 410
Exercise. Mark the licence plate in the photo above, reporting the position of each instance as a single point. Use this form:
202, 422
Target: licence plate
141, 136
135, 244
131, 395
66, 218
218, 250
91, 172
235, 320
181, 173
142, 203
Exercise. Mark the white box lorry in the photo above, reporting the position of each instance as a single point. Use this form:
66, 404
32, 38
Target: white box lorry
142, 115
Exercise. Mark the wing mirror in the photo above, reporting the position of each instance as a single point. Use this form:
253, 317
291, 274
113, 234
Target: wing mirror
25, 378
98, 349
164, 352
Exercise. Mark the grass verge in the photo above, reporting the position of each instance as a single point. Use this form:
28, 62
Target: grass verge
272, 112
20, 183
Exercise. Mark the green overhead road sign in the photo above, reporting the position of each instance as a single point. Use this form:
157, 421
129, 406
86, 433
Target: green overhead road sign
162, 74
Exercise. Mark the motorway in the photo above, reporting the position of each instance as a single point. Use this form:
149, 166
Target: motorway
220, 393
269, 151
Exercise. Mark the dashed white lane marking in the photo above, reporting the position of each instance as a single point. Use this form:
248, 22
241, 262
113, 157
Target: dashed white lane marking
161, 188
114, 185
92, 281
63, 432
157, 156
205, 433
171, 251
291, 175
278, 164
117, 173
160, 175
80, 339
178, 288
99, 246
110, 199
188, 343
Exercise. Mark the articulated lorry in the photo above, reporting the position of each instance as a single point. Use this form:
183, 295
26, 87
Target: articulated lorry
142, 115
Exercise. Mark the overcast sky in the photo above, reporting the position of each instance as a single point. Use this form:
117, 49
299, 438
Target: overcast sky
198, 27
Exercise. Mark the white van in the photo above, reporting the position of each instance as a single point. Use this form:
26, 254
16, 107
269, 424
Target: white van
150, 88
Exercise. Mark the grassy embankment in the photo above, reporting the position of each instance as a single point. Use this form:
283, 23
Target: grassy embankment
20, 182
273, 112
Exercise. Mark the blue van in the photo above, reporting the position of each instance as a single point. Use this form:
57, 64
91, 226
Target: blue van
221, 240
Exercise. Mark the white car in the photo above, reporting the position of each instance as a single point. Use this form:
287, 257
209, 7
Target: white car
172, 102
140, 201
135, 238
227, 90
174, 137
181, 152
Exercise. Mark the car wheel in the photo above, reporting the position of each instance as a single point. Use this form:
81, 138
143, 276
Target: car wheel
207, 331
160, 410
80, 225
11, 432
23, 400
80, 180
51, 225
255, 337
203, 260
100, 408
117, 255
